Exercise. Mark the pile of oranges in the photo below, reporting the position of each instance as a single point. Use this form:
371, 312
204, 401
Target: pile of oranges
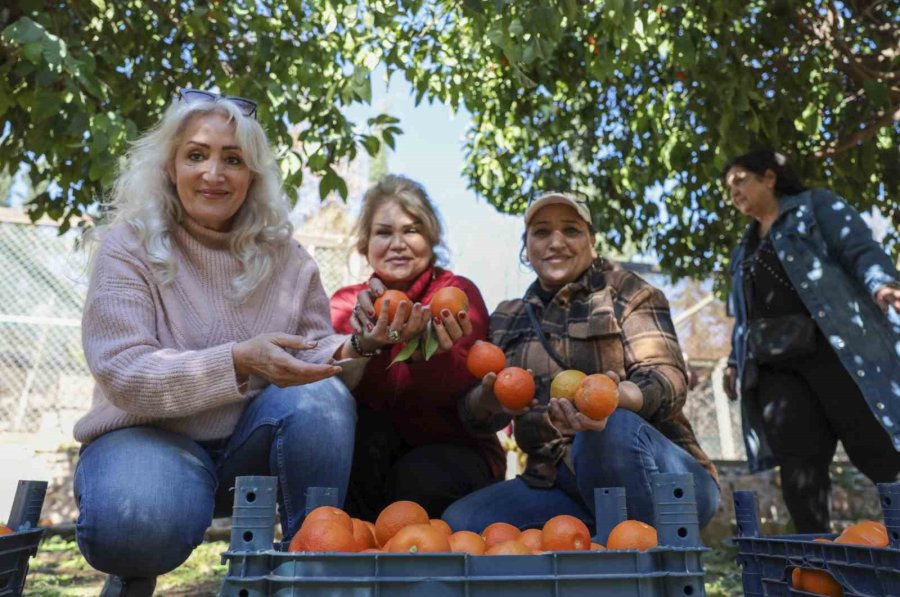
819, 582
404, 527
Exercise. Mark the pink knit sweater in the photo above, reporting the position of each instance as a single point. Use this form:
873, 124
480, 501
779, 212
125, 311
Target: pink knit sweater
161, 353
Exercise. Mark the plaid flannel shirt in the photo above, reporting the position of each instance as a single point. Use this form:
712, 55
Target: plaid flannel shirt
607, 320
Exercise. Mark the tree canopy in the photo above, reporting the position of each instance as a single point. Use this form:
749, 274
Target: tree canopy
637, 104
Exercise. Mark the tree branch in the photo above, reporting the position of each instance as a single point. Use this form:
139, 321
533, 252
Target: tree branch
842, 145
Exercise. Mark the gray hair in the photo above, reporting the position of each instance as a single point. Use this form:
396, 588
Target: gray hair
145, 197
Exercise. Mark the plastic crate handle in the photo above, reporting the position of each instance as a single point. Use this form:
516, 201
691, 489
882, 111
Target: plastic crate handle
746, 514
253, 518
610, 509
26, 508
675, 509
890, 508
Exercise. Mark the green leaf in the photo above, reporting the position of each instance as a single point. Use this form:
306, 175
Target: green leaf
431, 342
32, 51
407, 351
23, 31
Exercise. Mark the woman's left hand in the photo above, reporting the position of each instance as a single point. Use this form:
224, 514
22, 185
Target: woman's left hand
888, 296
566, 418
449, 329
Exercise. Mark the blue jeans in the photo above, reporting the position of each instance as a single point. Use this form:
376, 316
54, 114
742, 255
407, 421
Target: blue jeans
624, 454
146, 496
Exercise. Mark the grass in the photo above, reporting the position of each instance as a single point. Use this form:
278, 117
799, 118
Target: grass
59, 570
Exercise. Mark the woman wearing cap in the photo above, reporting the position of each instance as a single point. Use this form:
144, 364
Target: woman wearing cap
410, 443
816, 340
207, 331
582, 314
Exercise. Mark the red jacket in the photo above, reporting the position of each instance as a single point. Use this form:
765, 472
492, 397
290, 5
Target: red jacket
421, 397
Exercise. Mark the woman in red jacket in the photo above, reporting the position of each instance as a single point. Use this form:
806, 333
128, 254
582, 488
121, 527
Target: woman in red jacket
410, 442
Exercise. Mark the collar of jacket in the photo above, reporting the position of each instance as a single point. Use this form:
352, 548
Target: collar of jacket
593, 279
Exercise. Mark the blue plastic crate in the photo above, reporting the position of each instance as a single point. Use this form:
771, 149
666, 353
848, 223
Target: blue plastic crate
861, 571
16, 549
256, 569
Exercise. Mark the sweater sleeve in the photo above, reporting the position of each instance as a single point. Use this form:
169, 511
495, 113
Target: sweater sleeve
315, 320
134, 371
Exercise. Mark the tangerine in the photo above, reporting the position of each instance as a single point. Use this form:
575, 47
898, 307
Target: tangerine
531, 538
420, 538
467, 542
484, 358
565, 533
565, 383
5, 530
395, 297
819, 582
597, 396
632, 534
363, 535
329, 513
441, 525
867, 532
323, 535
498, 532
514, 388
597, 547
396, 516
509, 548
450, 298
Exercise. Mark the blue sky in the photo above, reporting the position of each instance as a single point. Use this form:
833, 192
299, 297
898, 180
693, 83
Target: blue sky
484, 244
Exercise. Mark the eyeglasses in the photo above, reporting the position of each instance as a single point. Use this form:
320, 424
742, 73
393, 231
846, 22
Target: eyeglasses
190, 96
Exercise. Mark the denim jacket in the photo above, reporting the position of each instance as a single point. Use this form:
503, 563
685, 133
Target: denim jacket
836, 267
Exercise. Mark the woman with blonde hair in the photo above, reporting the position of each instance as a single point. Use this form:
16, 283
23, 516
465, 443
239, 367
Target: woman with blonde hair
410, 441
206, 329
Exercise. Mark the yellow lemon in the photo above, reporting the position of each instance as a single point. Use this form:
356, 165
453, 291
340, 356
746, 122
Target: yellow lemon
565, 384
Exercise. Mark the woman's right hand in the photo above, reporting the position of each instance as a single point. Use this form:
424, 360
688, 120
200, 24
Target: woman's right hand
729, 382
266, 356
484, 402
377, 329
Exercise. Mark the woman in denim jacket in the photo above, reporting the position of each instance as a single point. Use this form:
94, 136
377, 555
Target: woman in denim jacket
816, 341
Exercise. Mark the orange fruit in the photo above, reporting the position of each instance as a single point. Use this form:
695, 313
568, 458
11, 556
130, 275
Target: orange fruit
819, 582
395, 297
441, 525
514, 388
509, 548
451, 298
565, 533
5, 530
372, 550
363, 536
531, 538
420, 538
597, 396
565, 383
498, 532
797, 578
484, 358
467, 542
597, 547
323, 535
329, 513
395, 517
632, 534
867, 532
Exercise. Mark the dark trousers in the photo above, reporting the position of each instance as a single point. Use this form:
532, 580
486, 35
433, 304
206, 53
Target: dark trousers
386, 469
808, 404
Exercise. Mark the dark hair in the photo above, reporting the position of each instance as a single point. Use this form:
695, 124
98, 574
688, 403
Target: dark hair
786, 180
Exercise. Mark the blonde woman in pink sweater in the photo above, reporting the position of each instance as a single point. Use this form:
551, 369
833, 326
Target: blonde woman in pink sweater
208, 333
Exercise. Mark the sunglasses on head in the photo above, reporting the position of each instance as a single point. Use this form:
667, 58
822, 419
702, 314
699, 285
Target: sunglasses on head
247, 107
